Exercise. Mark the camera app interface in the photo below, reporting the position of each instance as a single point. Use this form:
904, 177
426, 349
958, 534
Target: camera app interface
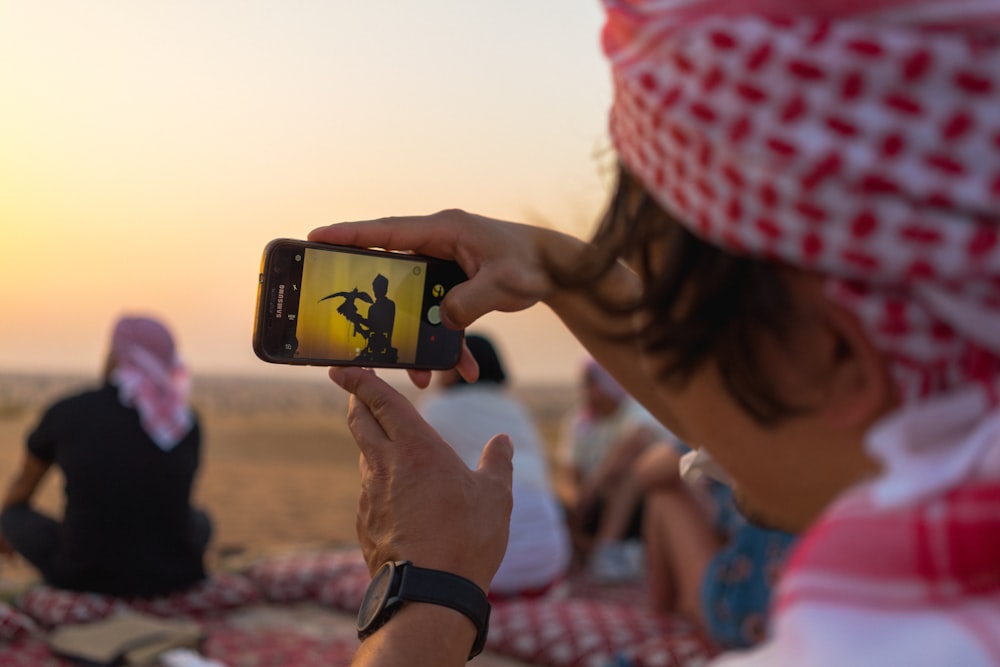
359, 307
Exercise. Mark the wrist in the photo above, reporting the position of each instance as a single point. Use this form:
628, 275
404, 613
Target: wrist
420, 635
397, 585
465, 568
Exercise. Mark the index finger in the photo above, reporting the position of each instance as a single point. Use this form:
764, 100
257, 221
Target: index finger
393, 413
424, 234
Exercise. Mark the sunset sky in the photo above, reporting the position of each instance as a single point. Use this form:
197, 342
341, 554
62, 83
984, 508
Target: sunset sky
149, 150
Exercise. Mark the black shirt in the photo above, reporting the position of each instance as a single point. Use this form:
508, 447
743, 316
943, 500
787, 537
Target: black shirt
126, 527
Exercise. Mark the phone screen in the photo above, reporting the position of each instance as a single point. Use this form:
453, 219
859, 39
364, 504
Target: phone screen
329, 305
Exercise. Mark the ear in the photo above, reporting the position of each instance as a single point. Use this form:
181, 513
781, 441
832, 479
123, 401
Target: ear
858, 387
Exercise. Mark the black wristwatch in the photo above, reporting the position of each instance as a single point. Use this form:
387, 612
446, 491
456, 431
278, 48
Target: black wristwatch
399, 581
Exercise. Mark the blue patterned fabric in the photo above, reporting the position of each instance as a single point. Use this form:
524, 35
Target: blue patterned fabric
736, 591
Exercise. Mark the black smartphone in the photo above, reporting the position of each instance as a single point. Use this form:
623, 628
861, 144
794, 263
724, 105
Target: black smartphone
328, 305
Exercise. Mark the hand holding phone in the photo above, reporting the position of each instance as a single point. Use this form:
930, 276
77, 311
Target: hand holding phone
326, 305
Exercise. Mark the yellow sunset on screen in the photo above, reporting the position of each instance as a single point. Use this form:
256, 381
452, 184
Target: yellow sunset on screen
323, 332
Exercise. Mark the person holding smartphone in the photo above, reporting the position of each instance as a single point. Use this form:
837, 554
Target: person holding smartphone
799, 273
128, 451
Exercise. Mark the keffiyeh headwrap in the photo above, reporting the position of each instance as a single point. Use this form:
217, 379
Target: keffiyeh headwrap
860, 140
151, 378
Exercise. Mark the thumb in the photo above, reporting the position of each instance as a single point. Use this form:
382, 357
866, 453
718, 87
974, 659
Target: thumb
490, 288
463, 305
497, 459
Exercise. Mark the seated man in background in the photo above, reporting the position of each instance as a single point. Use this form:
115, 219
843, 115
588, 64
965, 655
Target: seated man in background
469, 414
603, 437
128, 452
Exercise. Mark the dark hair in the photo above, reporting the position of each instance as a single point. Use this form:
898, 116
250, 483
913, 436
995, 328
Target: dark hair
702, 302
485, 354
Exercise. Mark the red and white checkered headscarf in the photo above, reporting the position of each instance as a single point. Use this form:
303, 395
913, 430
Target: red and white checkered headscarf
151, 378
858, 139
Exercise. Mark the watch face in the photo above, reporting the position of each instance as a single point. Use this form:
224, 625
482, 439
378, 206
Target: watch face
375, 597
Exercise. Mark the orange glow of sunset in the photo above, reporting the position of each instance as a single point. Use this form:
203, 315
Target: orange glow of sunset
150, 151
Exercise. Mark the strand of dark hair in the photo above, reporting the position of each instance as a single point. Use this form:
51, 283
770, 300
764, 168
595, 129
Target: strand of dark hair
702, 303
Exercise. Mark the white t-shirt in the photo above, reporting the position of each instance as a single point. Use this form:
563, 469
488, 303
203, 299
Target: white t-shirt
467, 416
586, 440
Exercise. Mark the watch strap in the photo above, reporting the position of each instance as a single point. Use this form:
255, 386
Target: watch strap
420, 584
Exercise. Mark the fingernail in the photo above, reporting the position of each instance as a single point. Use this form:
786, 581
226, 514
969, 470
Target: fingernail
508, 444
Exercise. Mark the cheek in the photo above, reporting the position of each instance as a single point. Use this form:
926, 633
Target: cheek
709, 421
708, 418
703, 415
775, 471
699, 406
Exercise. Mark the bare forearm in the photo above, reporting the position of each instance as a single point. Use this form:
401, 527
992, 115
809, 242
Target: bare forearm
19, 492
419, 635
22, 486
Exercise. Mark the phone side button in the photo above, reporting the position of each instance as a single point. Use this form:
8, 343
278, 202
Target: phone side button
434, 314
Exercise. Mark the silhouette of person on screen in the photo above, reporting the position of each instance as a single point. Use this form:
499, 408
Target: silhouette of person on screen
377, 326
379, 323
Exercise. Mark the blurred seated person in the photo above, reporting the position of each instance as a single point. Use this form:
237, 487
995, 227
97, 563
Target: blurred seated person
128, 452
601, 442
467, 415
704, 559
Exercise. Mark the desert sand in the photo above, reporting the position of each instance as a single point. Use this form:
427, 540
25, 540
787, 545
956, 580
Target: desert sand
279, 466
279, 475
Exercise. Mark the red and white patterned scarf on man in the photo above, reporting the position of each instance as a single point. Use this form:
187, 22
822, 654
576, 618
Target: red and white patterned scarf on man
151, 378
860, 140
